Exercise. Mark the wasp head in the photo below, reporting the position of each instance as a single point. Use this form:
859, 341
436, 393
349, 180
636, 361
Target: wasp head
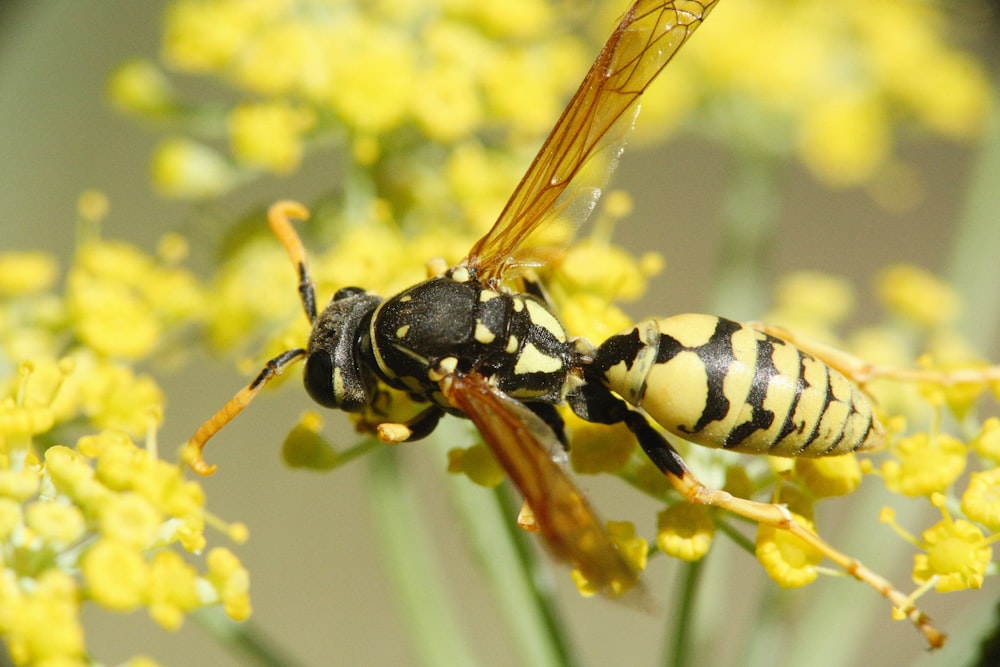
335, 375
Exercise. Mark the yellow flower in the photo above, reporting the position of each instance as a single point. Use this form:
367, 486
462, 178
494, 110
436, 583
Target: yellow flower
280, 59
834, 83
593, 317
121, 299
597, 448
25, 413
206, 36
139, 86
480, 180
917, 295
269, 135
981, 499
811, 302
924, 464
833, 476
231, 582
19, 484
530, 106
172, 589
10, 519
25, 273
845, 140
524, 19
115, 398
634, 550
304, 447
129, 519
685, 531
445, 104
957, 553
46, 629
55, 522
987, 441
372, 73
787, 559
620, 276
478, 464
116, 575
185, 169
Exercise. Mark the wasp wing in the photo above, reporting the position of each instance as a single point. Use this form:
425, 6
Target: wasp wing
520, 441
645, 40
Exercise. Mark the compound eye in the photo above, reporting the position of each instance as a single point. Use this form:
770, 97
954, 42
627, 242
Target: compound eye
318, 378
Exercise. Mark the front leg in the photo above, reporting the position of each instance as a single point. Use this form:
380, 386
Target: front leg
417, 428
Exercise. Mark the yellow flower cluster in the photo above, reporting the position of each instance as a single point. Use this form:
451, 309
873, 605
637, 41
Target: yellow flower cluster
634, 549
100, 522
373, 74
831, 83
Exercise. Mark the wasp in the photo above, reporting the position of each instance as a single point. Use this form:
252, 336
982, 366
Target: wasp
464, 343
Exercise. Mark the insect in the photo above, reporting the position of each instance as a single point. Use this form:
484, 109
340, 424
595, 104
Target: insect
463, 343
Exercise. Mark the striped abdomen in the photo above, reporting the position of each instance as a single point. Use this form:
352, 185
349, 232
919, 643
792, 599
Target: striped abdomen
720, 383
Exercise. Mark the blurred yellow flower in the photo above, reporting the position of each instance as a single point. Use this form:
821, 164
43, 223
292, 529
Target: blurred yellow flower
685, 531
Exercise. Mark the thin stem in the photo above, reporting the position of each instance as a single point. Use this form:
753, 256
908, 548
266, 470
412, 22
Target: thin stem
972, 265
736, 536
245, 639
683, 616
414, 567
518, 578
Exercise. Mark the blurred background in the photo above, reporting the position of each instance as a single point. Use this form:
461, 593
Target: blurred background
317, 581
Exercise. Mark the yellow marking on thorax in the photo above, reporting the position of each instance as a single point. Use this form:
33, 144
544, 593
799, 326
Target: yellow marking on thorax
540, 316
483, 335
533, 360
487, 295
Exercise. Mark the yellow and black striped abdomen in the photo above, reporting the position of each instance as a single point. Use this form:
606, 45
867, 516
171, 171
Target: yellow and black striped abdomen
723, 384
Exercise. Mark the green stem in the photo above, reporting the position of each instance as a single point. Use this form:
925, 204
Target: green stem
972, 262
245, 639
736, 536
413, 565
683, 616
518, 578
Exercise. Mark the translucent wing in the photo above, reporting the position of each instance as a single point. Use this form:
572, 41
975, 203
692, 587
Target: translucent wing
642, 44
520, 440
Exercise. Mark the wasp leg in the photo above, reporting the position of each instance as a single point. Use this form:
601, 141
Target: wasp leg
192, 451
554, 421
598, 405
278, 217
863, 372
666, 458
533, 286
414, 429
